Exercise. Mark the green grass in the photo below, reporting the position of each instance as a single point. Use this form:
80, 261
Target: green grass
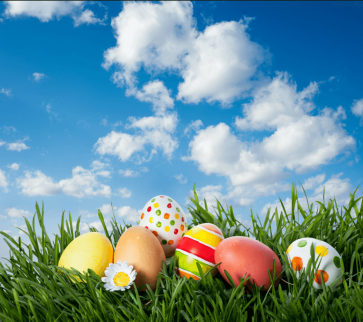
32, 289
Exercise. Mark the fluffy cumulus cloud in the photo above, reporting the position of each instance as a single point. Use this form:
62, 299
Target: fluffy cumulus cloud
17, 146
83, 183
128, 214
335, 187
128, 173
3, 181
155, 131
48, 10
299, 141
357, 109
17, 213
217, 64
193, 126
6, 92
124, 192
14, 166
181, 178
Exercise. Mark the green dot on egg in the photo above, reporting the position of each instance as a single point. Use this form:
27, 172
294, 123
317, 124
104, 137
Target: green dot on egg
302, 243
336, 261
171, 200
177, 209
164, 242
158, 224
153, 199
172, 222
183, 234
158, 212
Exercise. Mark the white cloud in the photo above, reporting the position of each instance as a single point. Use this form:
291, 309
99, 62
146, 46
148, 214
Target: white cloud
104, 122
128, 214
106, 209
124, 192
82, 184
216, 64
181, 178
5, 91
38, 76
48, 10
48, 108
38, 184
334, 188
14, 166
3, 181
128, 173
7, 232
156, 93
313, 182
8, 129
193, 126
96, 224
17, 213
17, 146
300, 142
154, 130
2, 143
357, 108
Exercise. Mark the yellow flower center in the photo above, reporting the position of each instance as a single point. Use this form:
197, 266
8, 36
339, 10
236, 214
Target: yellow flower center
121, 279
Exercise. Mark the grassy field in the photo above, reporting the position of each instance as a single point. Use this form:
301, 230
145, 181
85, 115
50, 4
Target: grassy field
31, 289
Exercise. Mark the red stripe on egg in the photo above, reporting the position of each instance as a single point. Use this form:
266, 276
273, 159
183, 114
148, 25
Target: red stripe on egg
194, 247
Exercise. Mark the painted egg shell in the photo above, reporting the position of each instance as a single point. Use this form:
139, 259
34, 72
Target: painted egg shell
91, 250
166, 220
198, 246
242, 255
141, 249
299, 254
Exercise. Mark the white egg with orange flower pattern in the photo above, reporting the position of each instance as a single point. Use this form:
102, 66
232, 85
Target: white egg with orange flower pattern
299, 254
167, 221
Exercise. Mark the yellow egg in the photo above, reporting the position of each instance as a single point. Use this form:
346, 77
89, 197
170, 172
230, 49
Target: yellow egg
92, 250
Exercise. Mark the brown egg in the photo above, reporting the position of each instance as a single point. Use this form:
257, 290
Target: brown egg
141, 249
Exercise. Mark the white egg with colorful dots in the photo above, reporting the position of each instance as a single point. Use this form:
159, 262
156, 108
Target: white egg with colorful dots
167, 221
299, 254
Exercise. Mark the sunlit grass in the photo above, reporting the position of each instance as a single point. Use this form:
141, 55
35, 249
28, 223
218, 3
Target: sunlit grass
32, 289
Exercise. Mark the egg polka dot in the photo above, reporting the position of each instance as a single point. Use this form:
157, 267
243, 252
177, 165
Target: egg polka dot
166, 216
183, 234
171, 200
182, 219
176, 231
321, 251
151, 220
289, 249
177, 209
170, 242
167, 228
155, 233
181, 227
146, 227
153, 199
156, 205
302, 243
336, 261
142, 216
297, 263
169, 205
158, 224
317, 278
158, 212
148, 209
176, 216
164, 242
172, 222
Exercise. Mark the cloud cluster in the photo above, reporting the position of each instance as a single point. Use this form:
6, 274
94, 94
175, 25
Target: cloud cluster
299, 141
6, 92
357, 109
218, 64
48, 10
3, 181
83, 183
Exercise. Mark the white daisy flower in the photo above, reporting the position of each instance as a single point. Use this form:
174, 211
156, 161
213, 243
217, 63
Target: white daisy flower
119, 276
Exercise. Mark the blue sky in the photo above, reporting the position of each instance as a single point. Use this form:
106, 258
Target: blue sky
118, 102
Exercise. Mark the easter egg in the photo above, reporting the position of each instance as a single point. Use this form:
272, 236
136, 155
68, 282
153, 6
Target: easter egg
198, 246
299, 254
91, 250
164, 217
241, 256
141, 249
